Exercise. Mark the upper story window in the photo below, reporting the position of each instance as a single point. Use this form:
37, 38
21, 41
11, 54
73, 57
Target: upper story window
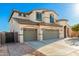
39, 16
24, 15
51, 19
19, 14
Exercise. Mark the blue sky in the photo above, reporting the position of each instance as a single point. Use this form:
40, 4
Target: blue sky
67, 11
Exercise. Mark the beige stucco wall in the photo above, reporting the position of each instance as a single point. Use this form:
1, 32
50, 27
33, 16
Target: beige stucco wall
65, 23
14, 26
45, 16
19, 28
61, 31
11, 25
32, 16
39, 34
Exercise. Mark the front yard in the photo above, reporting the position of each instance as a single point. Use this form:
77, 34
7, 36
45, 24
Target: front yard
41, 48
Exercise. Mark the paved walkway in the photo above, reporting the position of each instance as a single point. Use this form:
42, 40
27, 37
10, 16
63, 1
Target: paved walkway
17, 49
3, 51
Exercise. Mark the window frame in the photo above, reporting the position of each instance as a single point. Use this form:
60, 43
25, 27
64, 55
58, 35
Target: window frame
39, 16
20, 14
51, 18
24, 15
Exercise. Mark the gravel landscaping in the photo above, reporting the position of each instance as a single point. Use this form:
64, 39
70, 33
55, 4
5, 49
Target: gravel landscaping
74, 41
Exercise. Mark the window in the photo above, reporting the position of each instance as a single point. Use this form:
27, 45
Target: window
19, 14
39, 16
24, 15
51, 19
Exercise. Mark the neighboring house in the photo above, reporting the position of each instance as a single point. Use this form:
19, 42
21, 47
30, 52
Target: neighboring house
38, 25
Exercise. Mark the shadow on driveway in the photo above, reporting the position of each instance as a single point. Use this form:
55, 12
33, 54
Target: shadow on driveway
26, 49
39, 44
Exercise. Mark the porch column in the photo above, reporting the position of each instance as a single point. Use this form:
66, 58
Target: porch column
39, 34
21, 36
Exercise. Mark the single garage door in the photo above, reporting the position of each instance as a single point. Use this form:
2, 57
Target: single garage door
50, 34
30, 34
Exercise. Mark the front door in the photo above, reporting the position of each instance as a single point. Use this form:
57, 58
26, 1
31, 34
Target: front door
64, 31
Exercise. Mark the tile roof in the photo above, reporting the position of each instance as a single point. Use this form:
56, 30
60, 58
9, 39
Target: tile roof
62, 20
14, 10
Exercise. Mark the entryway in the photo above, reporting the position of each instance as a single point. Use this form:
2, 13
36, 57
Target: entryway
65, 31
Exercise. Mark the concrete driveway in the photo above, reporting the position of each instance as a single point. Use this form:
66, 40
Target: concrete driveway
54, 47
39, 44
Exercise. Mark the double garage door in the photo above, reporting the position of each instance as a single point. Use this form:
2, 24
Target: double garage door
31, 34
50, 34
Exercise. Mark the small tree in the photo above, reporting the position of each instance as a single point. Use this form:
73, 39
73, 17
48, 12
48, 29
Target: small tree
75, 28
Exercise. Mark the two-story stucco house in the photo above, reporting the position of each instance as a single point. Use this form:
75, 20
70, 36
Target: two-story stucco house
40, 24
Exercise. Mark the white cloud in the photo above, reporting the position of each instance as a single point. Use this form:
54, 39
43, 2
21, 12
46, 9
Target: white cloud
76, 9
